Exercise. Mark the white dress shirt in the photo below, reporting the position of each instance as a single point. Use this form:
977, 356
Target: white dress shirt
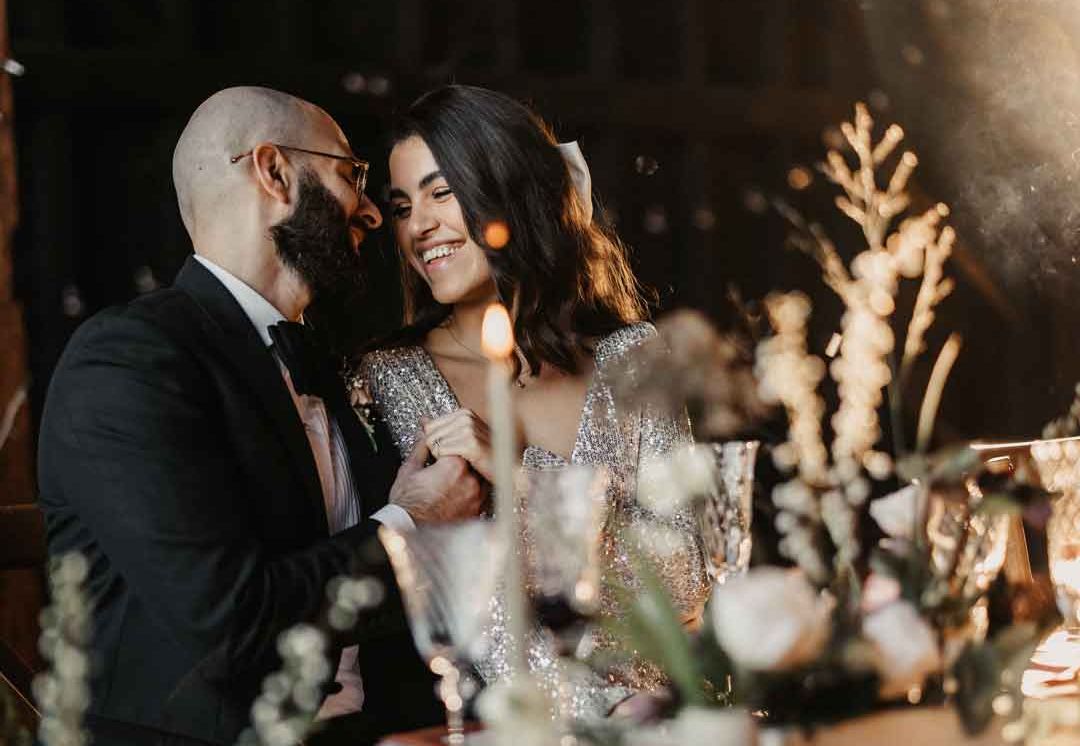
331, 460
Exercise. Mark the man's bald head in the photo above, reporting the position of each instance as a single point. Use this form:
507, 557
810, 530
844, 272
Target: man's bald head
227, 124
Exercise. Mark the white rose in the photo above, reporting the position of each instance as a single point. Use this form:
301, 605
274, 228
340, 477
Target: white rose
697, 726
517, 711
695, 466
895, 513
906, 646
655, 490
666, 484
770, 619
879, 591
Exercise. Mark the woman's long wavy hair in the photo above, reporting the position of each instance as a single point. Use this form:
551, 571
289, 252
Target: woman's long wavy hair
565, 279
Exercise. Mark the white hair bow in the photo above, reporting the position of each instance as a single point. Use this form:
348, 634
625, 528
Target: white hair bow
579, 174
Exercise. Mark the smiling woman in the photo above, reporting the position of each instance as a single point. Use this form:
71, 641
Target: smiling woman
464, 160
430, 229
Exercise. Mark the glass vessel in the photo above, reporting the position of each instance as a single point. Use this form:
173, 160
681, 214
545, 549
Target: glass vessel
564, 514
726, 510
1058, 463
447, 578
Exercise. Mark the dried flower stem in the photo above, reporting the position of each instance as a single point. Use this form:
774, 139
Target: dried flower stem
933, 289
284, 711
63, 691
934, 389
1068, 424
831, 486
789, 375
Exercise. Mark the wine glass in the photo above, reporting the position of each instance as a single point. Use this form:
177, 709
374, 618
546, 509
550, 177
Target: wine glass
726, 510
564, 514
447, 578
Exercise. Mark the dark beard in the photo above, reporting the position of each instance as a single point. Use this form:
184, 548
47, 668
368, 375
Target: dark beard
315, 241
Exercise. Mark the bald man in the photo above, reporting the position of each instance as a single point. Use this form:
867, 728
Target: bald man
197, 449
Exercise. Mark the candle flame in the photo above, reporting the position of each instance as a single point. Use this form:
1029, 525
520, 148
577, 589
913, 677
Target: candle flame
496, 334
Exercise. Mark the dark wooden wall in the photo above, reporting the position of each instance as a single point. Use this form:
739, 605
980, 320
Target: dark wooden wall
722, 95
21, 536
690, 112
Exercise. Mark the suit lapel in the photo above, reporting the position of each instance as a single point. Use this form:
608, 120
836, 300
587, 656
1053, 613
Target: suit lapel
373, 467
229, 328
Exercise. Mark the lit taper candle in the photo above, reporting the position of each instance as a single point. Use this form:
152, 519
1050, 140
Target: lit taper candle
497, 340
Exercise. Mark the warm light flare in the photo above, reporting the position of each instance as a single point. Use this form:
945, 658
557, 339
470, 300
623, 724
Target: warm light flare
497, 334
496, 234
1052, 672
799, 178
440, 666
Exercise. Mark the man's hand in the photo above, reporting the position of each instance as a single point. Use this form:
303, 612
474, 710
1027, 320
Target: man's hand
445, 491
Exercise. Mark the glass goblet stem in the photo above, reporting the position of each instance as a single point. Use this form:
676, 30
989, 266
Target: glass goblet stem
450, 694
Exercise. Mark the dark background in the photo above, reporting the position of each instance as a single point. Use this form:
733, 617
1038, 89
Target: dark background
692, 114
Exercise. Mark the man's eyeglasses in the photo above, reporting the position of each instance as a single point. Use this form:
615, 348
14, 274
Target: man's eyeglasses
359, 166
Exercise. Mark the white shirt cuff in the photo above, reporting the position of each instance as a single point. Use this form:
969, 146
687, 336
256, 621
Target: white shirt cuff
395, 517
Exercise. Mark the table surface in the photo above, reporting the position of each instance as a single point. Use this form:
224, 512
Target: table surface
1050, 684
428, 736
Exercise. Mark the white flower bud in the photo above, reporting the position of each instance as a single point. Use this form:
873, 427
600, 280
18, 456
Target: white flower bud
896, 513
906, 648
770, 619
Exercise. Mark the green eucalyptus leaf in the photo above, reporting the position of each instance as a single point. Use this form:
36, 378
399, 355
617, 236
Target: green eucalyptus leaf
1016, 644
911, 569
715, 666
885, 562
952, 464
912, 467
999, 503
649, 624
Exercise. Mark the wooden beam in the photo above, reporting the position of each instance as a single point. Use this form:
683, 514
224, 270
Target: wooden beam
507, 44
73, 79
64, 79
691, 111
603, 41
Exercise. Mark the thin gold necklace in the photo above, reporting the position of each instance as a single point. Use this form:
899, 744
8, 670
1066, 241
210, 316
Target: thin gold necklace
526, 370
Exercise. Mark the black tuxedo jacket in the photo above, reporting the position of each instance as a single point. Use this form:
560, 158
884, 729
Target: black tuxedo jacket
172, 456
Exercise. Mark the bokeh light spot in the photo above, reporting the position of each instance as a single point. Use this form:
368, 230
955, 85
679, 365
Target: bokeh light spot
655, 220
354, 83
754, 201
646, 165
704, 219
913, 55
800, 178
878, 99
379, 86
71, 302
496, 234
833, 138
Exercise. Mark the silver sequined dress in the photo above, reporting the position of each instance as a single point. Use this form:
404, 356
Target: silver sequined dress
406, 386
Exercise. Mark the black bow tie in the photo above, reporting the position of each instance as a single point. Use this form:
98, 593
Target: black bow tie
310, 367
